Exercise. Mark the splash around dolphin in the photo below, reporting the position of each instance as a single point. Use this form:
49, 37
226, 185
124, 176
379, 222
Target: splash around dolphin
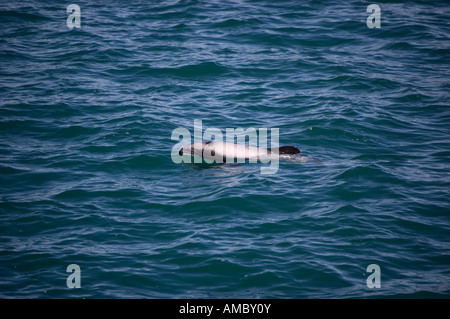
227, 152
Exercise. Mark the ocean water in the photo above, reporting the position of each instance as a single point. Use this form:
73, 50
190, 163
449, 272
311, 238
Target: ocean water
87, 178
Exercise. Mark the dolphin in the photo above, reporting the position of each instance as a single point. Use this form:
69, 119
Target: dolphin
220, 151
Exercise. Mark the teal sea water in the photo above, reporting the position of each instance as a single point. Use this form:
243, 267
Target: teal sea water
86, 117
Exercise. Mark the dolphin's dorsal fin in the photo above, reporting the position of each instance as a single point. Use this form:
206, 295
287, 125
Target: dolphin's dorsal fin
288, 150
